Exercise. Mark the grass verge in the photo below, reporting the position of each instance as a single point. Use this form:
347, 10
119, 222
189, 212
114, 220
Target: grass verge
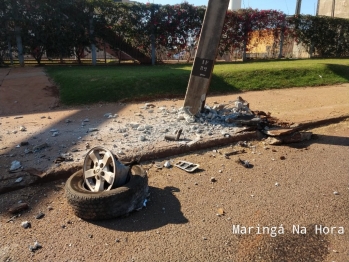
87, 84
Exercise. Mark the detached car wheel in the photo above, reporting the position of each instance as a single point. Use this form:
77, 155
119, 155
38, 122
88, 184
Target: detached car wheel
107, 204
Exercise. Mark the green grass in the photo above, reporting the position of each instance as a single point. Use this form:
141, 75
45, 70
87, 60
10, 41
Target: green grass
87, 84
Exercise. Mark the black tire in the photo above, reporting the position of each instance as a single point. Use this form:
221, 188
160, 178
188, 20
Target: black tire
107, 204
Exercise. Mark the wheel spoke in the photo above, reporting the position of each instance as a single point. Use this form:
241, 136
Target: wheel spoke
106, 158
89, 173
109, 177
94, 156
99, 185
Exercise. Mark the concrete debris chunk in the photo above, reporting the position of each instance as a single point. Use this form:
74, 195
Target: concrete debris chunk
25, 224
40, 215
167, 164
36, 246
134, 125
175, 137
276, 131
185, 113
273, 141
67, 156
113, 116
122, 130
19, 180
15, 165
93, 129
287, 139
149, 105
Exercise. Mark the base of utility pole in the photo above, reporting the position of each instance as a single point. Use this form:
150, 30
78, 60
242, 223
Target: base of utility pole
206, 53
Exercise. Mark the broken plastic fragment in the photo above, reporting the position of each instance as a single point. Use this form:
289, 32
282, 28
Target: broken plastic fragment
187, 166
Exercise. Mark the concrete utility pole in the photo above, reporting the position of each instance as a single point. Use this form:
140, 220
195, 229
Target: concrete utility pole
333, 7
298, 7
206, 52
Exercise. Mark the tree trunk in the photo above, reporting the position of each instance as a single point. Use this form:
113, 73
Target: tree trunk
19, 45
93, 46
153, 56
244, 57
10, 50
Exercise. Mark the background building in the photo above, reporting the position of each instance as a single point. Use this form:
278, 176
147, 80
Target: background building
334, 8
234, 5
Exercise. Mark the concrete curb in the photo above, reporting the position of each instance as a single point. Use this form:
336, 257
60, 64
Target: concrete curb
163, 152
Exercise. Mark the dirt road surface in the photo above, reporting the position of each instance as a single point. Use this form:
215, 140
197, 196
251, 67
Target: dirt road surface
300, 190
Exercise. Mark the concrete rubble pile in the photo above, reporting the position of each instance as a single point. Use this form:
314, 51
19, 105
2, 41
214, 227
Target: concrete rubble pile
149, 128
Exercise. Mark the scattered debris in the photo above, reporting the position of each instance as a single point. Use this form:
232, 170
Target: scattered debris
93, 129
15, 165
67, 156
176, 137
12, 218
277, 184
40, 215
24, 143
234, 152
292, 138
167, 164
187, 166
220, 212
277, 131
25, 224
336, 193
22, 128
213, 179
18, 208
17, 117
245, 163
35, 247
19, 180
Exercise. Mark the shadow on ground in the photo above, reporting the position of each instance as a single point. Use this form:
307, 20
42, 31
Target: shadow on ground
162, 208
322, 139
340, 70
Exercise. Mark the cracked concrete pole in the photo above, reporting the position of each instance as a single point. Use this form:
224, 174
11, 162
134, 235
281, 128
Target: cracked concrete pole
206, 52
